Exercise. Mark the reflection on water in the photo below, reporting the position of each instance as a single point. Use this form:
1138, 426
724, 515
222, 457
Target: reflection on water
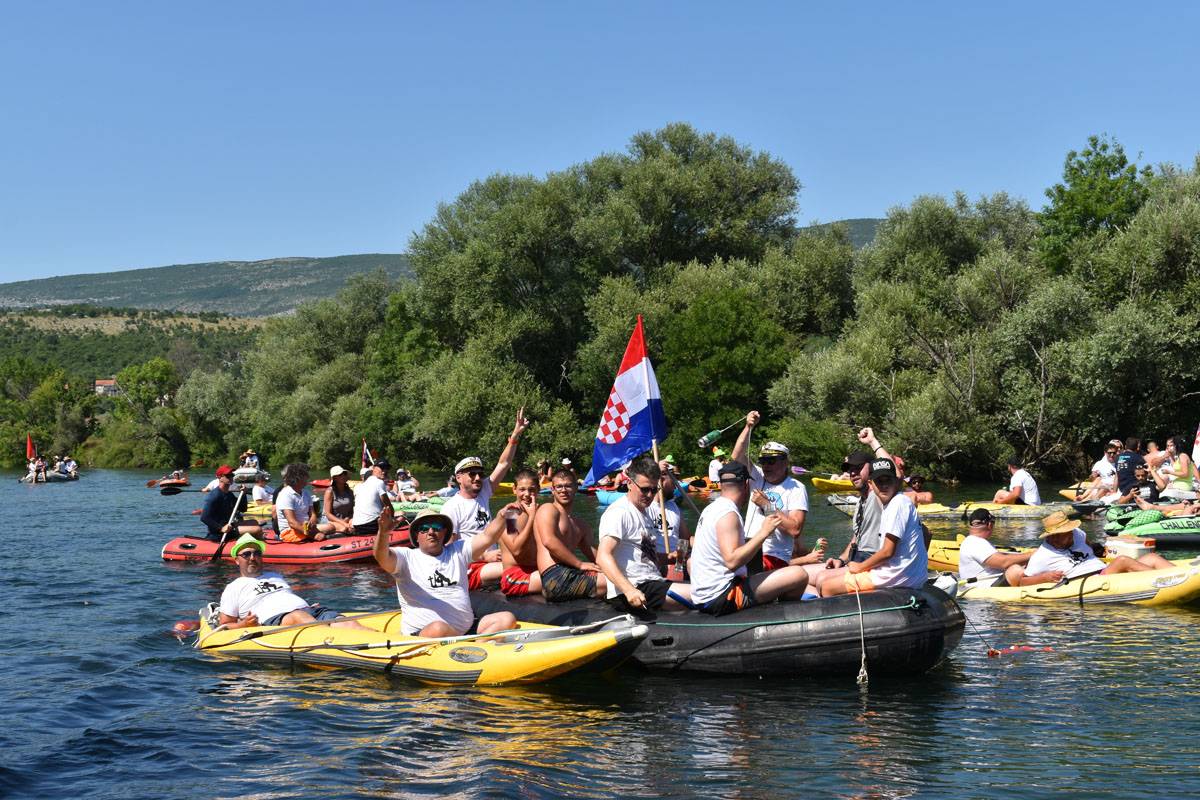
108, 705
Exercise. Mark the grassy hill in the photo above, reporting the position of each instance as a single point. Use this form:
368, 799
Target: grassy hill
862, 231
240, 288
96, 342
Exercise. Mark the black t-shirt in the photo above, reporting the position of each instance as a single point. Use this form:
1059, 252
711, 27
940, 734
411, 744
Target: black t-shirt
1127, 462
218, 508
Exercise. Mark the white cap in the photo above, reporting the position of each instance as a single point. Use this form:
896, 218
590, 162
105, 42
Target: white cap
337, 470
470, 462
774, 448
566, 462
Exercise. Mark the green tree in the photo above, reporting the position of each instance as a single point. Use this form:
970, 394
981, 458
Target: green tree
1100, 191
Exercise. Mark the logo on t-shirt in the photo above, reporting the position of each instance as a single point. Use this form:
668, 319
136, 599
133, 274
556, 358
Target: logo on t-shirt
439, 581
266, 587
481, 517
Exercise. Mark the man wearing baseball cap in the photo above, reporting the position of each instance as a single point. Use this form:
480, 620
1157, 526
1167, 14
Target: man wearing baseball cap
217, 514
720, 552
265, 598
980, 562
774, 491
714, 466
468, 509
1065, 554
902, 560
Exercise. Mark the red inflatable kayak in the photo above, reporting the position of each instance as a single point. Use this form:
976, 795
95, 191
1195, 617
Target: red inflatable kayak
338, 548
174, 482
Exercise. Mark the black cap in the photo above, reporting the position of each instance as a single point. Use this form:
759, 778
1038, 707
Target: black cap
383, 464
733, 471
882, 467
856, 460
981, 515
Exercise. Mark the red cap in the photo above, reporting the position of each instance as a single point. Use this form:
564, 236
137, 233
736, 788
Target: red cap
224, 470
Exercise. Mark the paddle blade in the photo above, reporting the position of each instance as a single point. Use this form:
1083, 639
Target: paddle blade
151, 484
167, 491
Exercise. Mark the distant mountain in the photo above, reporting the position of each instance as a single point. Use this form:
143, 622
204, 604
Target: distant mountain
240, 288
862, 231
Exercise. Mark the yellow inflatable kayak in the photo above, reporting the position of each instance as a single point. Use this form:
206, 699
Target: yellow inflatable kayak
848, 503
832, 485
1157, 587
528, 654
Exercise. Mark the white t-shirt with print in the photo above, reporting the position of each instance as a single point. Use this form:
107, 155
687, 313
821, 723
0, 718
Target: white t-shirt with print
469, 515
1076, 560
368, 500
634, 553
973, 551
710, 576
909, 565
1106, 472
300, 504
788, 495
265, 596
1029, 490
434, 588
654, 514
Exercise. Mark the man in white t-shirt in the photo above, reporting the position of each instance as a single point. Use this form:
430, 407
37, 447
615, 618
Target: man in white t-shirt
626, 553
370, 498
902, 560
431, 576
774, 491
295, 516
1022, 488
721, 551
714, 466
1065, 554
468, 509
980, 562
260, 598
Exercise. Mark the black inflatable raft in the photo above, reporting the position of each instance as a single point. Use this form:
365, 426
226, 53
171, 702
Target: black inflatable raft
907, 632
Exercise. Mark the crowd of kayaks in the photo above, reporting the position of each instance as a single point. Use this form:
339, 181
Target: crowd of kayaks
899, 631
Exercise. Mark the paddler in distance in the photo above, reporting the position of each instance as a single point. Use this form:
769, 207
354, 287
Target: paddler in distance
431, 575
468, 509
774, 491
217, 514
721, 551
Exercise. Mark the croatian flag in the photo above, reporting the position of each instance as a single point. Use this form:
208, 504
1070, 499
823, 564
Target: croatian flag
367, 459
633, 418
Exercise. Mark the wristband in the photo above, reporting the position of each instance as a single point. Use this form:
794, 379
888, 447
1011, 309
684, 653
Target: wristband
878, 447
514, 439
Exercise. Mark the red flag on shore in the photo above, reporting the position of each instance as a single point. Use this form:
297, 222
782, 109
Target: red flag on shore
367, 458
30, 450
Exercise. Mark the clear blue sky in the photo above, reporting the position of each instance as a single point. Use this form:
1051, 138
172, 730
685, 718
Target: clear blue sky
144, 134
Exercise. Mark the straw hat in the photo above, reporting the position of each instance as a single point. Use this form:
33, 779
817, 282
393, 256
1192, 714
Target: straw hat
1058, 522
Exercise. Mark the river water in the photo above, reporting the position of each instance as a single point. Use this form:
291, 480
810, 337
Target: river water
100, 700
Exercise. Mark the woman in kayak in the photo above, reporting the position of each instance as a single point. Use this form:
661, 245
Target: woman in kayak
338, 501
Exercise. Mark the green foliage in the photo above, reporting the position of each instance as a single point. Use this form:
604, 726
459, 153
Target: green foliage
1100, 192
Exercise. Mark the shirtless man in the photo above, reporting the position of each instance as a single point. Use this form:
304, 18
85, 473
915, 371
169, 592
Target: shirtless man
518, 545
559, 535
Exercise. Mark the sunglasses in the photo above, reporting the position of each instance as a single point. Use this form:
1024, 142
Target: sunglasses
769, 459
436, 527
249, 552
646, 490
473, 473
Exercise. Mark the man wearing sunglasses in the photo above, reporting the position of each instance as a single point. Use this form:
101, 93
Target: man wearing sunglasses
265, 598
468, 508
431, 575
774, 491
980, 562
721, 551
626, 552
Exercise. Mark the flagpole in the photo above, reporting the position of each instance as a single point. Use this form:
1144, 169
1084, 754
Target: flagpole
662, 503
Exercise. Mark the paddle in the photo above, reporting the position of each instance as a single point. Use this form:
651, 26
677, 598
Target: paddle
168, 491
152, 483
237, 506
